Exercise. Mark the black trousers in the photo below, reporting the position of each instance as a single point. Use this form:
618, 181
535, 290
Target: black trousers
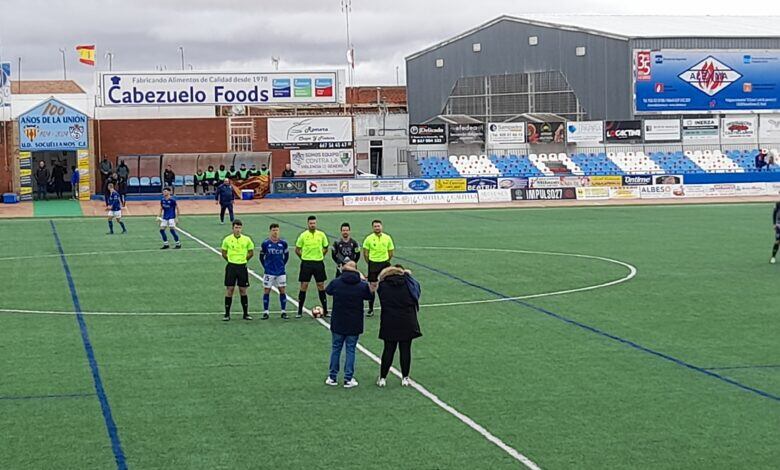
388, 353
222, 212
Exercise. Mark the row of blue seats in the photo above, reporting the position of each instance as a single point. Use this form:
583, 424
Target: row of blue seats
135, 181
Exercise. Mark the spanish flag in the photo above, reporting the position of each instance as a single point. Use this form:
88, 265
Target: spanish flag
86, 54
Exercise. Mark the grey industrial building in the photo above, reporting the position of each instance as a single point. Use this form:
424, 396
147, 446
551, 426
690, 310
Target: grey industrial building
578, 67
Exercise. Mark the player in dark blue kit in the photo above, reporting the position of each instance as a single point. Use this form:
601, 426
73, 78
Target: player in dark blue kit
776, 222
274, 254
169, 214
114, 206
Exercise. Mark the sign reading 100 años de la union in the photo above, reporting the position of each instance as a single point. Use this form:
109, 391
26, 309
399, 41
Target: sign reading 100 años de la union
53, 125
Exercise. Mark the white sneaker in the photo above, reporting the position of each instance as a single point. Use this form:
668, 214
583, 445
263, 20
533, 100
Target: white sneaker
405, 382
352, 383
331, 382
380, 382
772, 260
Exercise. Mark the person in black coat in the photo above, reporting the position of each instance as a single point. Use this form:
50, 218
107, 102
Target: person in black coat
58, 178
169, 177
399, 295
42, 177
349, 292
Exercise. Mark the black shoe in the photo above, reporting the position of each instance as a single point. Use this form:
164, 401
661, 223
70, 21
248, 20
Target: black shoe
248, 317
265, 316
370, 313
299, 315
165, 247
284, 316
226, 318
177, 247
326, 314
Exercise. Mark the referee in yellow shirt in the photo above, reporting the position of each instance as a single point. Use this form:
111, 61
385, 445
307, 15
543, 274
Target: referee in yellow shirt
311, 247
378, 251
237, 249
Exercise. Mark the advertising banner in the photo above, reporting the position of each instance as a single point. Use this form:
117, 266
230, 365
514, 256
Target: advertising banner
322, 162
53, 125
751, 189
584, 131
450, 185
512, 183
558, 181
661, 191
494, 195
544, 194
206, 88
387, 186
25, 176
700, 129
668, 179
466, 133
283, 186
546, 132
662, 130
427, 134
734, 129
474, 184
505, 134
411, 199
769, 128
310, 133
593, 193
82, 158
5, 84
606, 180
624, 192
338, 186
637, 180
419, 185
617, 132
685, 81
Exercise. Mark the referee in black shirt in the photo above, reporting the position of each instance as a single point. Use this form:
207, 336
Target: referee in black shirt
345, 249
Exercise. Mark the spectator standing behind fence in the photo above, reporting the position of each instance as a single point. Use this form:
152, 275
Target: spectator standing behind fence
288, 171
169, 177
761, 160
106, 168
399, 294
58, 178
75, 177
349, 292
42, 180
123, 173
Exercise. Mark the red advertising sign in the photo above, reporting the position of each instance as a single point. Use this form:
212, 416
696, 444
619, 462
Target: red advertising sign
643, 65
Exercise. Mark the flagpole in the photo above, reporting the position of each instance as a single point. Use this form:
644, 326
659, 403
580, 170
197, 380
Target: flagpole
64, 69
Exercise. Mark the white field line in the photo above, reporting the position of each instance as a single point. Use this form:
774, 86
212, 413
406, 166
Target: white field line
512, 452
90, 253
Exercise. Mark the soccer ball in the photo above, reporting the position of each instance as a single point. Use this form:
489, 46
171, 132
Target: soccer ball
316, 311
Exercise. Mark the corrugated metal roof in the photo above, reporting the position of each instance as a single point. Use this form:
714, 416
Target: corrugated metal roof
639, 26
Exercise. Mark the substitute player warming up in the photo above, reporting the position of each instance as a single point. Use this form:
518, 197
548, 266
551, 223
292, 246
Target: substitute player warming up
311, 247
378, 250
776, 222
114, 206
237, 249
169, 214
273, 257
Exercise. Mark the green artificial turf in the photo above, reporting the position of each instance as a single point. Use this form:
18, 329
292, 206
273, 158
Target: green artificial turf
616, 377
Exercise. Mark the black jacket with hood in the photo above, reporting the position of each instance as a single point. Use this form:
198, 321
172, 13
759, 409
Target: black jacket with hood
399, 295
349, 292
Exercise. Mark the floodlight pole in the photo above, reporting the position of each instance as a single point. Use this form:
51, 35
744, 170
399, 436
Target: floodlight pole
64, 69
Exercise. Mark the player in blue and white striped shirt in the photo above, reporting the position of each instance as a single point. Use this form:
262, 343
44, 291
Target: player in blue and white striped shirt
274, 254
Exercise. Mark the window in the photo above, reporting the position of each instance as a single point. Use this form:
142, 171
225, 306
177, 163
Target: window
439, 63
533, 40
579, 51
476, 47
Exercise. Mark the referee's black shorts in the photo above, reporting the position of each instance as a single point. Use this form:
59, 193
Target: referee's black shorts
311, 269
236, 274
376, 267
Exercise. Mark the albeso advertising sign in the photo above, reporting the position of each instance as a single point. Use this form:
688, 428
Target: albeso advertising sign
739, 129
427, 134
310, 133
584, 131
466, 133
622, 131
322, 162
680, 81
662, 130
700, 129
53, 125
505, 134
202, 88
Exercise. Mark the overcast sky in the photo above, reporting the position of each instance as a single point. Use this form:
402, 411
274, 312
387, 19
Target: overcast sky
242, 35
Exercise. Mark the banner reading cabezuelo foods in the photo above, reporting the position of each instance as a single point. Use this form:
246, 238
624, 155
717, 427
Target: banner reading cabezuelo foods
466, 133
622, 131
427, 134
543, 194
